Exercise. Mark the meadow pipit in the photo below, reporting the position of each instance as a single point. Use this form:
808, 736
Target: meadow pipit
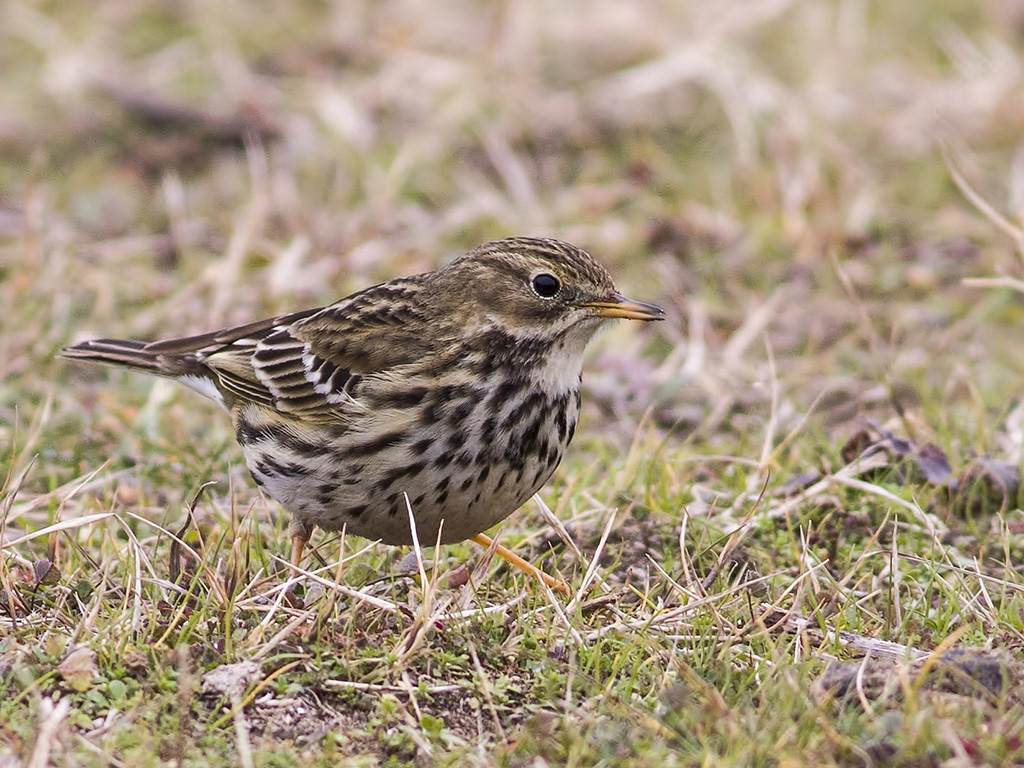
457, 389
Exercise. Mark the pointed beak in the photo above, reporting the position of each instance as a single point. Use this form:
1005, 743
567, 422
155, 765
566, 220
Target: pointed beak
620, 306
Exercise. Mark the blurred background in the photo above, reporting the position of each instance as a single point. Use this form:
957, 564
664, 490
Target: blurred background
825, 195
780, 174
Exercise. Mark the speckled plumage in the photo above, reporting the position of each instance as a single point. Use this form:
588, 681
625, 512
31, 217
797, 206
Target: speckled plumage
458, 388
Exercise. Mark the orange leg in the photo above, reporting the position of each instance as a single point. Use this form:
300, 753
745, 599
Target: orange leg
512, 558
298, 545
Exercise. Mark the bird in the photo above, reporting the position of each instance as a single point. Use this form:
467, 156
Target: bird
452, 393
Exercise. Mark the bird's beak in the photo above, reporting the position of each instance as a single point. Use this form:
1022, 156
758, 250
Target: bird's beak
620, 306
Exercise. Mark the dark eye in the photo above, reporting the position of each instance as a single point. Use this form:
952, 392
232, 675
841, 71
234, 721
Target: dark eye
546, 285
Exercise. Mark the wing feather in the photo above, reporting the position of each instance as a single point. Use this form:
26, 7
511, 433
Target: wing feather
312, 366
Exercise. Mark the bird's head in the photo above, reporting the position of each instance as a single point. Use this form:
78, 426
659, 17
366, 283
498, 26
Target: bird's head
533, 287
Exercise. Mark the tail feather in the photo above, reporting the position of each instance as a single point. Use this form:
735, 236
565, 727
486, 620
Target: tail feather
186, 368
138, 356
122, 352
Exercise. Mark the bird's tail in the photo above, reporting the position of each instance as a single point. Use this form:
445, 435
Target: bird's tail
127, 354
185, 367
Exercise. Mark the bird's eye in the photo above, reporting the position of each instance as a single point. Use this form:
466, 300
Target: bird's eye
545, 285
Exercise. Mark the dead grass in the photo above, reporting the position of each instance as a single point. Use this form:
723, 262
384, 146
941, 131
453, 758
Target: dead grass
827, 197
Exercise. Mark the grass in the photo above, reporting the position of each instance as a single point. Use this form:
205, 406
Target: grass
791, 514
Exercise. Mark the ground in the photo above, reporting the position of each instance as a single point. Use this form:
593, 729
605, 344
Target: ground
790, 519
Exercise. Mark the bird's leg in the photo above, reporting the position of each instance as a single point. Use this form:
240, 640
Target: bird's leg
513, 559
298, 545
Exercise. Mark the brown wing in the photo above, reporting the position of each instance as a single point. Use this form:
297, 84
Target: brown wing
307, 364
221, 359
311, 367
226, 354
